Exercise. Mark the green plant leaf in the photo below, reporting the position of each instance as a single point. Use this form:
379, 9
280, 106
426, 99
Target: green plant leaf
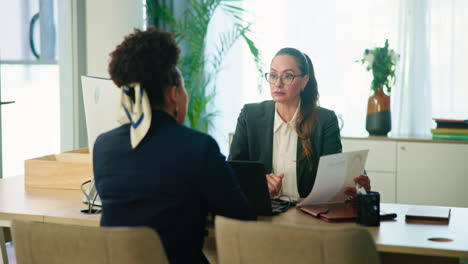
257, 58
199, 66
382, 66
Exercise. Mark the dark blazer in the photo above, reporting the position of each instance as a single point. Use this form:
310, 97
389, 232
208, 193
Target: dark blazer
169, 182
253, 140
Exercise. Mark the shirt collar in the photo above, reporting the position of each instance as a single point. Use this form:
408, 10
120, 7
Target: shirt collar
278, 121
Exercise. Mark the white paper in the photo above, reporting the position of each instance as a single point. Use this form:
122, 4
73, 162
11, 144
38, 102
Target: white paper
334, 173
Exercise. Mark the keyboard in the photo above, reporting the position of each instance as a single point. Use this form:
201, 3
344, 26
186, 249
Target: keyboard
279, 206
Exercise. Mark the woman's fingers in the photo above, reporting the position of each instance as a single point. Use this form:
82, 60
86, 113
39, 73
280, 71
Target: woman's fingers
350, 191
274, 183
271, 188
272, 179
271, 185
363, 181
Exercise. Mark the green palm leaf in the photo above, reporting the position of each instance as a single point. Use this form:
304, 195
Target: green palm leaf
199, 66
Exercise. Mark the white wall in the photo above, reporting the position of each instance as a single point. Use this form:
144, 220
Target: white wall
107, 22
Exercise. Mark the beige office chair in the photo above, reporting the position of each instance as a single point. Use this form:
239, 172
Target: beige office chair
242, 242
45, 243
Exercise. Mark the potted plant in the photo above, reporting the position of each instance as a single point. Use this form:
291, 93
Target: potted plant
200, 66
381, 61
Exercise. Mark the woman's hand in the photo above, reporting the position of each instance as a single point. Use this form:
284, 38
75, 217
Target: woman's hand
363, 181
275, 182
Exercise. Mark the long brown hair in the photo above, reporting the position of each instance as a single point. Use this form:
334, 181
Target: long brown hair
309, 101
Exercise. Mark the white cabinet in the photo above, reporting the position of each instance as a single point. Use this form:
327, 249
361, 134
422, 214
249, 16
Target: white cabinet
432, 173
416, 172
380, 165
385, 184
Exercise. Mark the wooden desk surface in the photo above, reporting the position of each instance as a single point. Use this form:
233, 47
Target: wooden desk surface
397, 236
40, 204
63, 206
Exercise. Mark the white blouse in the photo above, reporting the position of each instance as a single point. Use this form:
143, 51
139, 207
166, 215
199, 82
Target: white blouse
285, 152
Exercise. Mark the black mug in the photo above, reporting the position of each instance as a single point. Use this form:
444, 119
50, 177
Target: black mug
368, 209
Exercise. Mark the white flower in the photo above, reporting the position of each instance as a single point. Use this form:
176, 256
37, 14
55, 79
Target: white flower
394, 56
370, 59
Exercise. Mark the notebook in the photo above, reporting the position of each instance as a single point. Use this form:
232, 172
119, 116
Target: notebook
253, 183
428, 215
339, 212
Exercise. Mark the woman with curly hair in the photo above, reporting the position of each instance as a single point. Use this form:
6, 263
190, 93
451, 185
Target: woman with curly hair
153, 171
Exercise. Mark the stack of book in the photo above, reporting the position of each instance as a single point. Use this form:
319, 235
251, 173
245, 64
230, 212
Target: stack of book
453, 129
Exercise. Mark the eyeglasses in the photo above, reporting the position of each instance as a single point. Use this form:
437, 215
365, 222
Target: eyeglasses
286, 78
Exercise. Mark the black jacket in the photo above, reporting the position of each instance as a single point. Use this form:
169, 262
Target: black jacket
169, 182
253, 140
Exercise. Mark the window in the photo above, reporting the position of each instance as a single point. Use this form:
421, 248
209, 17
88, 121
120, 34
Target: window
29, 76
334, 34
448, 42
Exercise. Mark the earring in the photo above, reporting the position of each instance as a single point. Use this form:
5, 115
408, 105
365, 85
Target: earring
176, 112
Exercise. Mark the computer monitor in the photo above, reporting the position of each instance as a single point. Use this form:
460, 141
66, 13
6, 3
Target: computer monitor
101, 104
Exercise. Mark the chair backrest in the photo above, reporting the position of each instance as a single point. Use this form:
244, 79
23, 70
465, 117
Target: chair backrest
262, 242
46, 243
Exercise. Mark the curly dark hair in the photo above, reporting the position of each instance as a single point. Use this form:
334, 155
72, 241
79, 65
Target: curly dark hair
148, 57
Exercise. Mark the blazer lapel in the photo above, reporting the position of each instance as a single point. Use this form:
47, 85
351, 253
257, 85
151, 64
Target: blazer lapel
301, 167
267, 122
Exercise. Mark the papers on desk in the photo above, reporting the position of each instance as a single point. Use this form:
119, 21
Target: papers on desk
334, 173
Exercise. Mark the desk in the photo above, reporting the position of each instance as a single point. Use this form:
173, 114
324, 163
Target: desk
38, 204
394, 239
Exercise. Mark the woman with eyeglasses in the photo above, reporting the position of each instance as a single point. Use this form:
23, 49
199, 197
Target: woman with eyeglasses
290, 133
